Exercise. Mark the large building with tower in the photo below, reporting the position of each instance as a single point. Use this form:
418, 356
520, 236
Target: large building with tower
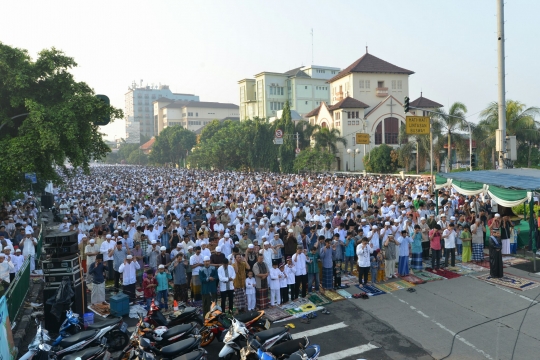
139, 109
365, 97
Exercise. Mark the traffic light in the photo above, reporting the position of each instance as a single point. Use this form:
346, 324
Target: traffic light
103, 120
473, 160
406, 104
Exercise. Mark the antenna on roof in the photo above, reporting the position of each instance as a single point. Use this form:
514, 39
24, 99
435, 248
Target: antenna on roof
312, 61
420, 93
366, 49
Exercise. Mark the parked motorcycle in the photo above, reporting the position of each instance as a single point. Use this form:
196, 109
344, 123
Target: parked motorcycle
40, 349
216, 322
147, 351
71, 327
238, 332
187, 314
297, 349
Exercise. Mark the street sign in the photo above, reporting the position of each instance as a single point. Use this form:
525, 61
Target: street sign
278, 141
297, 150
362, 138
279, 133
31, 177
417, 125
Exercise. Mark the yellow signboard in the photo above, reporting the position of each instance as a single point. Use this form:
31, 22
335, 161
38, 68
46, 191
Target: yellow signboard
417, 125
362, 138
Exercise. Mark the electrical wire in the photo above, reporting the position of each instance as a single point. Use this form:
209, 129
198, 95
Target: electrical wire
533, 302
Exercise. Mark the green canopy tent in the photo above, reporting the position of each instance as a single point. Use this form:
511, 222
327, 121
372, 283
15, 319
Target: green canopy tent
508, 187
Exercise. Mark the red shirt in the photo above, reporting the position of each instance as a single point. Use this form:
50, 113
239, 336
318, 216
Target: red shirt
149, 292
435, 242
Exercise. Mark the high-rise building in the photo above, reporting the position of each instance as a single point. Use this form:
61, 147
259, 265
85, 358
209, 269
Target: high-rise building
304, 87
139, 109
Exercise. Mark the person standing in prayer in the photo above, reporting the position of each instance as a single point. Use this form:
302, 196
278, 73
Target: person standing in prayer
226, 276
495, 256
466, 241
404, 241
209, 279
240, 268
251, 285
416, 249
363, 250
326, 255
97, 269
261, 272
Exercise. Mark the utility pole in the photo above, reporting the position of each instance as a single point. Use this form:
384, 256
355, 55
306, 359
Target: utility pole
501, 145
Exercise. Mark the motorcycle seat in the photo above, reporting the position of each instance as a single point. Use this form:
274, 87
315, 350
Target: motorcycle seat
178, 347
247, 316
310, 352
102, 324
187, 311
74, 339
84, 354
287, 347
194, 355
270, 333
176, 330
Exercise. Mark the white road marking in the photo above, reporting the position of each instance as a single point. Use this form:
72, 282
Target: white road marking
320, 330
463, 340
357, 350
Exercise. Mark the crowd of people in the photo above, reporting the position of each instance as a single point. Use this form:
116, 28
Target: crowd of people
260, 239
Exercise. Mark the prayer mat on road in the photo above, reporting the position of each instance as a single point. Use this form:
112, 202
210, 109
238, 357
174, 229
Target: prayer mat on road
444, 273
511, 281
511, 261
275, 313
393, 286
428, 276
473, 266
334, 296
371, 290
413, 279
462, 271
308, 307
319, 300
344, 293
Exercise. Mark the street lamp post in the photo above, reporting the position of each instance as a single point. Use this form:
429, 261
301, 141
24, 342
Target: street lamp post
353, 152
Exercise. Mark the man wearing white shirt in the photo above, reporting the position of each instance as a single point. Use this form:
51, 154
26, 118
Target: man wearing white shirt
226, 275
129, 276
299, 260
449, 236
64, 226
226, 245
107, 249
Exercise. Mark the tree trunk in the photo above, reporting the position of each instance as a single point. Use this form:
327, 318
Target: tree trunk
493, 157
449, 151
529, 158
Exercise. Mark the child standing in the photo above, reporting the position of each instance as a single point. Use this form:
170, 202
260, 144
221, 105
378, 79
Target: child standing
337, 275
284, 287
380, 263
290, 272
459, 241
149, 287
374, 265
250, 291
273, 284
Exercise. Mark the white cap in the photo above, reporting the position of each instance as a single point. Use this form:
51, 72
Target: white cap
266, 243
206, 258
28, 232
218, 248
2, 255
226, 235
191, 247
452, 218
396, 220
129, 257
179, 245
374, 227
108, 236
497, 215
153, 242
161, 266
363, 220
250, 246
422, 218
282, 224
387, 223
264, 237
163, 248
92, 241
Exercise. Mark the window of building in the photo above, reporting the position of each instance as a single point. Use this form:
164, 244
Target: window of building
394, 86
306, 102
356, 115
306, 87
380, 84
190, 114
196, 114
361, 84
391, 131
357, 122
378, 134
399, 84
349, 122
153, 96
367, 84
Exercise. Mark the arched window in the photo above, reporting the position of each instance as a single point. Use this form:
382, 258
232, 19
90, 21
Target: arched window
324, 125
378, 134
391, 131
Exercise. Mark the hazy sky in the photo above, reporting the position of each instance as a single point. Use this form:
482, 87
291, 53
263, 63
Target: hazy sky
204, 47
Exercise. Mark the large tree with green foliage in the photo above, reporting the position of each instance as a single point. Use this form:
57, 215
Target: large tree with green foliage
450, 122
57, 127
314, 159
172, 145
286, 151
382, 159
328, 138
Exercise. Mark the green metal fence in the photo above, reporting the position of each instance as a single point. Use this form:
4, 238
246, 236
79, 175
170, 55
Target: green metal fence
18, 288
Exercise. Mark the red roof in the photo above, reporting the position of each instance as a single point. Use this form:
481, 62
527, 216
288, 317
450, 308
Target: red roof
348, 103
314, 112
371, 64
148, 145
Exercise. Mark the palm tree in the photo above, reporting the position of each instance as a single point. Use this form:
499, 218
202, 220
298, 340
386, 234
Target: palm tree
451, 122
328, 138
520, 122
305, 131
424, 145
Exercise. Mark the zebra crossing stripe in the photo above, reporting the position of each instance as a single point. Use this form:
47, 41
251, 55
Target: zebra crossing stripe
319, 331
349, 352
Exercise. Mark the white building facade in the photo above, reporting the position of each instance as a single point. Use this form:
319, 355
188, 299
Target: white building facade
304, 87
366, 97
191, 115
139, 109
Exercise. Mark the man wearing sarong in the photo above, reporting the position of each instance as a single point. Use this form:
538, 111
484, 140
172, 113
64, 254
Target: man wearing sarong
196, 262
261, 272
98, 279
326, 254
